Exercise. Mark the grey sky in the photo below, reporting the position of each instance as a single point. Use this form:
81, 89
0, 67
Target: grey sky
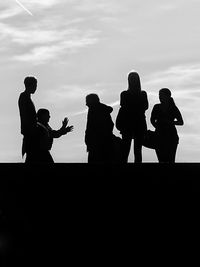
82, 46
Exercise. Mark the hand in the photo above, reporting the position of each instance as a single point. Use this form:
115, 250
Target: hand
67, 129
65, 122
70, 129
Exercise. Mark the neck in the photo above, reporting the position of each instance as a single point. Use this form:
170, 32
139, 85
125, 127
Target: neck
27, 92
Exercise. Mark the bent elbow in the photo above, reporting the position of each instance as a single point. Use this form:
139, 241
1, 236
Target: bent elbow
180, 123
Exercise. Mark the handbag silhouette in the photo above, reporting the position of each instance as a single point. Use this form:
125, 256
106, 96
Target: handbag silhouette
120, 119
150, 139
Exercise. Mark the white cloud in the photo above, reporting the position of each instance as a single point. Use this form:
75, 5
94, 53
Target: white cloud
111, 7
84, 111
30, 36
52, 40
177, 77
70, 93
34, 35
10, 12
40, 55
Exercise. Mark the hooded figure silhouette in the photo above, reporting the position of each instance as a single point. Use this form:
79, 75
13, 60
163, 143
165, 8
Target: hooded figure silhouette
98, 134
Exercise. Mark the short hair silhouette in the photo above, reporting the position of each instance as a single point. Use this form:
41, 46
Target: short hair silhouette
29, 80
165, 91
92, 99
134, 81
41, 112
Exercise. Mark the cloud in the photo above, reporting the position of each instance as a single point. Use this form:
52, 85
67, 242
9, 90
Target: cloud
42, 54
9, 13
111, 6
178, 77
70, 93
31, 35
183, 81
84, 111
47, 43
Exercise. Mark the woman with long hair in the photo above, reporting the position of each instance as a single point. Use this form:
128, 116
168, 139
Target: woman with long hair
131, 120
164, 117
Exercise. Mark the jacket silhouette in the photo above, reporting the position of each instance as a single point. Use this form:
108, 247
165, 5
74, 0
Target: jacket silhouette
98, 134
164, 117
131, 120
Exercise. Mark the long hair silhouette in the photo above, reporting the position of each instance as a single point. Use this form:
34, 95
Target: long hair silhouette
134, 84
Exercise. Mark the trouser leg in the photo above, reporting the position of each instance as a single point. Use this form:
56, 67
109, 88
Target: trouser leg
172, 153
138, 150
166, 153
126, 145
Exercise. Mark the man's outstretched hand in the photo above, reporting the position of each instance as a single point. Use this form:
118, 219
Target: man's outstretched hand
65, 122
70, 128
67, 129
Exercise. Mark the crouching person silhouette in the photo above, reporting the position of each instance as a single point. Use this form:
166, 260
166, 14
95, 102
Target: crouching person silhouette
45, 135
98, 134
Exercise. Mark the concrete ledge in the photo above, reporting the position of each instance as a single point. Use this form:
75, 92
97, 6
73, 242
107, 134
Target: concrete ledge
86, 212
60, 176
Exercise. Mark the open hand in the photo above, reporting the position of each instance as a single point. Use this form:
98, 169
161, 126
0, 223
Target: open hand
65, 122
70, 129
67, 129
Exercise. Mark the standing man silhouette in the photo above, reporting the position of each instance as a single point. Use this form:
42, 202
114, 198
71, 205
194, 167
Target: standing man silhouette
28, 118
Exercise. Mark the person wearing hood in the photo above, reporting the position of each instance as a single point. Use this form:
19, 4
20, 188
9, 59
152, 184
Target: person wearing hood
99, 130
131, 120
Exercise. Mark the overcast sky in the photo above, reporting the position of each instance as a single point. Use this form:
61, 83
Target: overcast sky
76, 47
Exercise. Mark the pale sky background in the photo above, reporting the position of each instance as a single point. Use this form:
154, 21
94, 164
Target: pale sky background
76, 47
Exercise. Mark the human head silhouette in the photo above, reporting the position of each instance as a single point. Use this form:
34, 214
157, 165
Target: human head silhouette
165, 95
134, 84
30, 83
92, 100
43, 115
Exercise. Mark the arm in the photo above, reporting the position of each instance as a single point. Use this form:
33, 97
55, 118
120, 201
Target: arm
153, 118
178, 118
123, 98
145, 100
63, 130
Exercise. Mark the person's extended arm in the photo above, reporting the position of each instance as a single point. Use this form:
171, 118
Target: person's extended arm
63, 130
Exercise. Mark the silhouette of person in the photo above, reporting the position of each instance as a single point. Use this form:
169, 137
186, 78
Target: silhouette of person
164, 117
132, 121
98, 134
45, 135
28, 117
